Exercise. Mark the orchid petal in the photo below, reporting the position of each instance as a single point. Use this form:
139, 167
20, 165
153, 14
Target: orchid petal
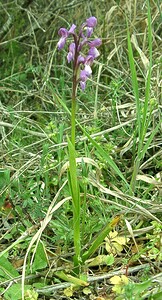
88, 70
72, 28
71, 52
82, 85
81, 59
70, 56
95, 43
61, 43
83, 75
72, 47
89, 59
89, 31
63, 32
93, 52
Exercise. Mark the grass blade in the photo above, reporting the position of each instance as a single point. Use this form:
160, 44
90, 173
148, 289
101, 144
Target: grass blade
100, 238
75, 192
134, 83
105, 155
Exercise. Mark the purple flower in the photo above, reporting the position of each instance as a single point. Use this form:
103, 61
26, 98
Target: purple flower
89, 31
72, 28
81, 59
83, 85
91, 22
84, 74
63, 32
93, 52
71, 52
95, 43
89, 60
64, 35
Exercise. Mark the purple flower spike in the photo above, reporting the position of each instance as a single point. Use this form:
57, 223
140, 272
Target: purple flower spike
91, 22
81, 63
95, 43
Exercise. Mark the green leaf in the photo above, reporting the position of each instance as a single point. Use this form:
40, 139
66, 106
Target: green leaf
15, 293
4, 181
110, 260
7, 271
40, 261
4, 177
141, 287
100, 238
149, 140
71, 279
157, 296
134, 82
101, 260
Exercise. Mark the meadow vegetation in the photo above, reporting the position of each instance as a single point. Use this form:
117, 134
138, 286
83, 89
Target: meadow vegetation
80, 220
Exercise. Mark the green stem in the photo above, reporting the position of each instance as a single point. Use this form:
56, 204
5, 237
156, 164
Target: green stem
74, 91
75, 193
73, 172
73, 113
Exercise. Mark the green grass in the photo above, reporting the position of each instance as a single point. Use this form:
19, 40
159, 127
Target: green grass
115, 171
142, 110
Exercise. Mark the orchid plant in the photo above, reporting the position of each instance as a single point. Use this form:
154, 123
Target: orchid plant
81, 72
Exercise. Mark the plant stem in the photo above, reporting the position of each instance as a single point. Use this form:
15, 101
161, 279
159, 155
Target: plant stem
74, 91
73, 113
73, 170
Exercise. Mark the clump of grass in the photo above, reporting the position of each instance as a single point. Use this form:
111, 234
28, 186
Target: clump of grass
143, 113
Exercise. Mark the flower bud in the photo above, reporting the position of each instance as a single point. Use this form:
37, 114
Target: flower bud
91, 22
